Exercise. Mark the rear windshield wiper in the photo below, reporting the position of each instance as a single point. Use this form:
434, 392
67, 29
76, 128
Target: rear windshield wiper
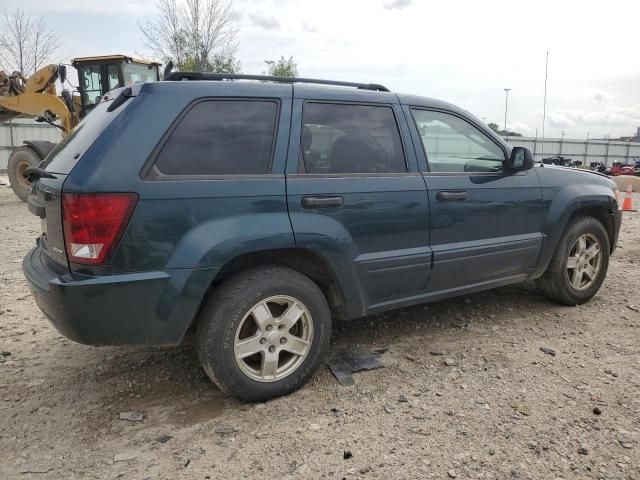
35, 173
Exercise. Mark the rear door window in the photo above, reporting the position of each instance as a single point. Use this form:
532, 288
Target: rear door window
220, 137
344, 138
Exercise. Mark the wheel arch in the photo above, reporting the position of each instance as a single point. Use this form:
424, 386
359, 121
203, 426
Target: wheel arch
305, 261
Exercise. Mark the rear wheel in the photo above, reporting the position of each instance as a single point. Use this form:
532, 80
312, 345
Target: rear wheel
263, 332
21, 159
579, 265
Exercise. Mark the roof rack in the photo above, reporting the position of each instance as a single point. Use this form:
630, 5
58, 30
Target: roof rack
233, 76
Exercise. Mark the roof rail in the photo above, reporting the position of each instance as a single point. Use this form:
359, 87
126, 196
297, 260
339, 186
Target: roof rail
267, 78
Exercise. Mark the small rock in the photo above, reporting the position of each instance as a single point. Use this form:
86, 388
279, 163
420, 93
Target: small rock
132, 416
625, 440
597, 410
164, 438
314, 426
364, 470
402, 398
6, 354
352, 471
347, 455
124, 456
387, 409
437, 354
492, 451
548, 351
450, 362
583, 451
226, 430
452, 473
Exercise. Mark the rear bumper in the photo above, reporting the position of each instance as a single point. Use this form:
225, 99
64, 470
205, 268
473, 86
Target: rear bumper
148, 308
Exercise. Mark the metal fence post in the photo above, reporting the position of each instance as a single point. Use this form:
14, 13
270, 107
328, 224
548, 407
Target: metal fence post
606, 153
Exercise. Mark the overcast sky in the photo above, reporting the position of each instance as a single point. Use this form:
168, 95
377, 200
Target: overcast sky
465, 52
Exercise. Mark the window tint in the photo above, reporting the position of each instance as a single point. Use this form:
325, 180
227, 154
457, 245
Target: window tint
453, 145
221, 137
350, 139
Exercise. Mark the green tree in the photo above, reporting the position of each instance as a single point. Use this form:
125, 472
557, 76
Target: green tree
219, 63
225, 64
282, 67
191, 33
494, 126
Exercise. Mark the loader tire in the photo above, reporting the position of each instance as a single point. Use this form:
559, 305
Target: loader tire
21, 159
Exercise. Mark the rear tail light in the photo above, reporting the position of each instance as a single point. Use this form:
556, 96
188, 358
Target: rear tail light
94, 223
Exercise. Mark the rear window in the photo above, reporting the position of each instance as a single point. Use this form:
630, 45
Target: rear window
66, 154
220, 137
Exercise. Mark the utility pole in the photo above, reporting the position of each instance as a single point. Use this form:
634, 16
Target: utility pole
506, 106
586, 150
544, 105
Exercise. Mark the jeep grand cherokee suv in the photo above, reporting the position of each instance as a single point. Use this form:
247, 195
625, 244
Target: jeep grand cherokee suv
255, 212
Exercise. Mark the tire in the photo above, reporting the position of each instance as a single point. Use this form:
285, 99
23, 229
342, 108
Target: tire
226, 326
21, 159
558, 282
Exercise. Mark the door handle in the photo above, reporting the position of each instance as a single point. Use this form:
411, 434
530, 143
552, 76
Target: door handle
452, 196
321, 202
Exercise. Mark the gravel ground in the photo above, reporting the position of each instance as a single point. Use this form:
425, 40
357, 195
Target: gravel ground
499, 407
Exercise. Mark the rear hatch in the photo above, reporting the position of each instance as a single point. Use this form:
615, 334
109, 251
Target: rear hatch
45, 200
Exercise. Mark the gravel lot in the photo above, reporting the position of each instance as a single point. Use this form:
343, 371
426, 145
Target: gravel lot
503, 409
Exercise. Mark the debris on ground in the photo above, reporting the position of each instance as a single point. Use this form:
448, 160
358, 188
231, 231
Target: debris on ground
521, 408
548, 351
626, 440
164, 438
450, 362
132, 416
343, 364
35, 469
125, 456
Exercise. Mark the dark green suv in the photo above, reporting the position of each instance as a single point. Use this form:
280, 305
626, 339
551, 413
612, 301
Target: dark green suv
257, 211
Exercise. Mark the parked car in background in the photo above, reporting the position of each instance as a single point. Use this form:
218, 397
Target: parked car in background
257, 212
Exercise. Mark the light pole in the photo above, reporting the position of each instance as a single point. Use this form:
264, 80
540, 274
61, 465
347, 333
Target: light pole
506, 106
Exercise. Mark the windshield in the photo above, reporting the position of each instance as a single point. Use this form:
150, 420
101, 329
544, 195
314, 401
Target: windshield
137, 73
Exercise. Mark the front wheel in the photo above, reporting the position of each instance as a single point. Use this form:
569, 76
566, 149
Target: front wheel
263, 332
579, 265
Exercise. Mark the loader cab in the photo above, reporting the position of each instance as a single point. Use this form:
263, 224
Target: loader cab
99, 75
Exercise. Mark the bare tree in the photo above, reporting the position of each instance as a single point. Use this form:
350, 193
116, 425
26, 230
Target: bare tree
192, 32
26, 44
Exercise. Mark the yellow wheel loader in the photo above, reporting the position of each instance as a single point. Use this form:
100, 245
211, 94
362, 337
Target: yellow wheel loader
36, 96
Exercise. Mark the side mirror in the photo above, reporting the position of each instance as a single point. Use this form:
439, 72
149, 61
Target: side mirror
520, 159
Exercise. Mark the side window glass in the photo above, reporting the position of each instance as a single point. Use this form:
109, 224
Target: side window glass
453, 145
340, 138
221, 137
92, 83
112, 73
